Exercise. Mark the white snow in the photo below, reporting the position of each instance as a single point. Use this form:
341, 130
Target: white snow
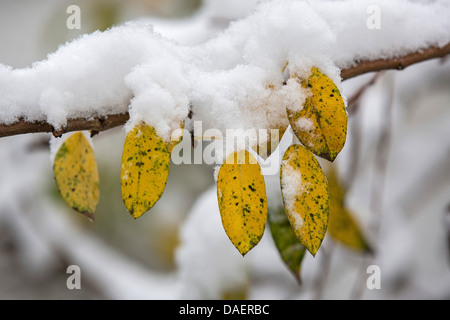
292, 187
405, 27
305, 123
232, 81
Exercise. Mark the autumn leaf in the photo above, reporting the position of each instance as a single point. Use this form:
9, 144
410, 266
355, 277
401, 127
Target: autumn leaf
305, 196
145, 169
342, 226
76, 174
242, 200
321, 125
286, 242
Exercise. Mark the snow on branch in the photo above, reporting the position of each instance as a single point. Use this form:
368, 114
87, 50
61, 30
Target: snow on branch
130, 73
98, 124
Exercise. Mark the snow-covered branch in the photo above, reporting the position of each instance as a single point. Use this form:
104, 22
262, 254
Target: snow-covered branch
94, 125
131, 73
98, 124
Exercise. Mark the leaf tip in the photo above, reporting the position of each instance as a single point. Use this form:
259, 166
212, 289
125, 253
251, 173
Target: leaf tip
89, 215
298, 277
244, 249
136, 216
136, 213
329, 157
369, 250
312, 249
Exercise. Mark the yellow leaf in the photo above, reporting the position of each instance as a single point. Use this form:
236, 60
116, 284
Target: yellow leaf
321, 125
242, 200
76, 174
305, 195
145, 169
342, 226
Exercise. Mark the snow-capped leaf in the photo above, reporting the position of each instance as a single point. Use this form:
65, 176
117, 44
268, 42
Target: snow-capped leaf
321, 125
242, 200
76, 174
341, 225
286, 242
145, 169
305, 195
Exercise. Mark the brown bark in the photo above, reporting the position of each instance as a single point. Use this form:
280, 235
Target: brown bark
95, 125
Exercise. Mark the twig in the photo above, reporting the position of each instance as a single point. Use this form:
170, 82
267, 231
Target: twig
399, 63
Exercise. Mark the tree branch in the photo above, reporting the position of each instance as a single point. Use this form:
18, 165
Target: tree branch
400, 63
98, 124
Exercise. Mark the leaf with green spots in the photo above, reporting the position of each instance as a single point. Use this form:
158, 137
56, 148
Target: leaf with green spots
305, 196
145, 169
342, 226
76, 174
321, 125
286, 242
242, 200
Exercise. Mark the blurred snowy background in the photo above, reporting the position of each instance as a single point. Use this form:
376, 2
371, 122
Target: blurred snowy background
396, 166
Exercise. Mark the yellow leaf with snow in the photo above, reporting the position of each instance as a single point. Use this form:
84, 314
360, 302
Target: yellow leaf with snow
321, 123
305, 196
